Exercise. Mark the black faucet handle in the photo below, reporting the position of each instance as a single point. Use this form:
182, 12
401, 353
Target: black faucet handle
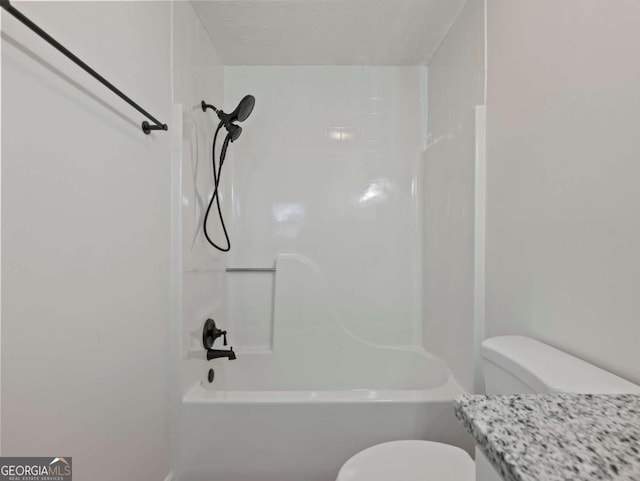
224, 338
210, 333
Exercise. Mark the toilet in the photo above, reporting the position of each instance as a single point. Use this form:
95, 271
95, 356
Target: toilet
511, 365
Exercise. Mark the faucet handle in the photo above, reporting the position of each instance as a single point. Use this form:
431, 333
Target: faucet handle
224, 338
210, 333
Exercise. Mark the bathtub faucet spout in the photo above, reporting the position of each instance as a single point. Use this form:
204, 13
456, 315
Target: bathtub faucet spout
218, 353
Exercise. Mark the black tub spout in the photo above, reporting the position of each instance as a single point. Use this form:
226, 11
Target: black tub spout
218, 353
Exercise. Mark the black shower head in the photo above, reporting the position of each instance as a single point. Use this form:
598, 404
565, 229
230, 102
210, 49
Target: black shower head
240, 114
244, 109
234, 132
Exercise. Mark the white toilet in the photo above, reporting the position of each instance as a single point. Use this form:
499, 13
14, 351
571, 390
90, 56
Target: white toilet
511, 365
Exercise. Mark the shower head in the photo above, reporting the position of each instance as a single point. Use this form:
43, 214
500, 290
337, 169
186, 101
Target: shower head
234, 132
240, 114
243, 110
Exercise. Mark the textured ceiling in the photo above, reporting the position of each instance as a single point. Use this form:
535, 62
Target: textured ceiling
327, 32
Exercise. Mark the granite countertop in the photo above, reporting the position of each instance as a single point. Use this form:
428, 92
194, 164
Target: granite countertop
556, 437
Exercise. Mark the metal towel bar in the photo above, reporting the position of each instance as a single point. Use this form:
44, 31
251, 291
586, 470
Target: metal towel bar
146, 126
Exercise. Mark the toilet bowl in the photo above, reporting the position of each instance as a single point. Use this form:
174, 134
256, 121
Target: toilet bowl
511, 365
409, 461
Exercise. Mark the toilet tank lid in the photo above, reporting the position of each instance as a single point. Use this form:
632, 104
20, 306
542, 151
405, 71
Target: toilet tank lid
547, 369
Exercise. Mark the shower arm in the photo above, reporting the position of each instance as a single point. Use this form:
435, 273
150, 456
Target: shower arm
206, 106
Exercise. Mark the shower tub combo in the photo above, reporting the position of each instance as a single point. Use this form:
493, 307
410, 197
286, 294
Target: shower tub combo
318, 388
298, 411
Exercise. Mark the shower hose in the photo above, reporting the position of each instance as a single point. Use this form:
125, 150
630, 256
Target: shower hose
215, 197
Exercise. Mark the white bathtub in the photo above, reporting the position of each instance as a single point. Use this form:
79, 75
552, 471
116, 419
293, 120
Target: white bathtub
319, 394
292, 432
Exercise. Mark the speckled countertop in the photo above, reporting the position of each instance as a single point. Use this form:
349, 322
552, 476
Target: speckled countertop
556, 437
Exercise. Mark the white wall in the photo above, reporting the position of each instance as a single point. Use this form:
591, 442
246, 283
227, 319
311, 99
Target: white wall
1, 17
327, 167
85, 248
456, 86
563, 203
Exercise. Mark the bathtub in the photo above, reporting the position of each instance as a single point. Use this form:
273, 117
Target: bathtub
318, 394
247, 426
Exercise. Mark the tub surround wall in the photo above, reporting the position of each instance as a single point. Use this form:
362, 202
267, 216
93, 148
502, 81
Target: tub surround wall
563, 170
452, 192
198, 269
313, 349
85, 239
326, 168
197, 75
453, 244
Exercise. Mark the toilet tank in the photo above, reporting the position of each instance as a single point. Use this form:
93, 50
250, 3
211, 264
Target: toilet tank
516, 364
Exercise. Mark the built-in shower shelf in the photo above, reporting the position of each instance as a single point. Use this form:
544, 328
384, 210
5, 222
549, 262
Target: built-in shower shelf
251, 269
